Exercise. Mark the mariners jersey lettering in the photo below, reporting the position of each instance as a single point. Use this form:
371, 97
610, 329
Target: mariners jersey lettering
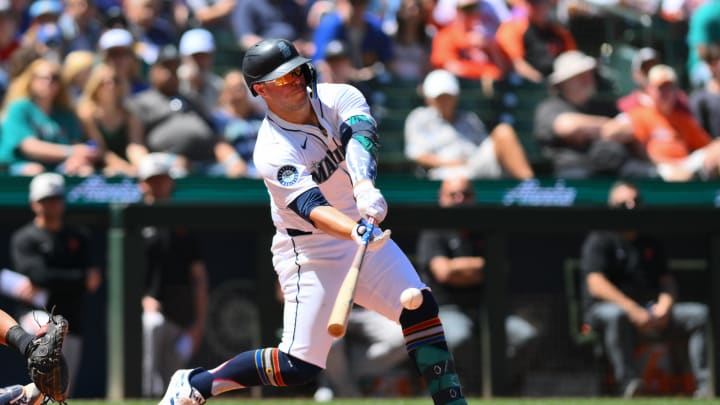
293, 158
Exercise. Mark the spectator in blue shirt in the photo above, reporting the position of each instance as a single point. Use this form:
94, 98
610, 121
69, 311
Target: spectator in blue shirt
373, 48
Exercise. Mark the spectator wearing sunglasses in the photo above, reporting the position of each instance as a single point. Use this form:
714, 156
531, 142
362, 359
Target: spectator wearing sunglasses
40, 130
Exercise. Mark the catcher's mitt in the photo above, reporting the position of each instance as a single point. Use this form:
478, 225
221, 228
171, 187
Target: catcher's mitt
45, 362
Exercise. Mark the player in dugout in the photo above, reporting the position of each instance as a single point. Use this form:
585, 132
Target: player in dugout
316, 152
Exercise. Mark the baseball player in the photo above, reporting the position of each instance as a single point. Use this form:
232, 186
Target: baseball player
316, 152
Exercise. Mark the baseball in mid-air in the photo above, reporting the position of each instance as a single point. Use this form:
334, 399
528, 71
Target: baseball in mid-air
411, 298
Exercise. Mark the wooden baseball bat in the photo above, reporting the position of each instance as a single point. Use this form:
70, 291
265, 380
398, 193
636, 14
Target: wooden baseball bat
337, 324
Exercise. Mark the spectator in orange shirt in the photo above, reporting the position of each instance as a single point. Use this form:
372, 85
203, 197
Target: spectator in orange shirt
643, 60
533, 43
672, 137
466, 47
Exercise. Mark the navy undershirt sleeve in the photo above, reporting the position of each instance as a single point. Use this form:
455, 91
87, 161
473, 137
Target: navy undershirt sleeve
307, 201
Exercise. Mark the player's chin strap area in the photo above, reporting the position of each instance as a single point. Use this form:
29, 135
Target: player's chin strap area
310, 75
425, 342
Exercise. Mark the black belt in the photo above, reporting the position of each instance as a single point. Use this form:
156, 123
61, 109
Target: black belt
297, 232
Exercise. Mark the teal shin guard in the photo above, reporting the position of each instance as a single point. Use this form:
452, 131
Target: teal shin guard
425, 341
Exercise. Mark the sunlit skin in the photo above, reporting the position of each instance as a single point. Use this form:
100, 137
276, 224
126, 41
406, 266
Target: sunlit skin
446, 104
663, 96
49, 213
579, 89
45, 85
163, 76
123, 59
235, 97
456, 191
289, 101
157, 188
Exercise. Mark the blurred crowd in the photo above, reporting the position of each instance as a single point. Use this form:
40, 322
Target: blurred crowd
92, 86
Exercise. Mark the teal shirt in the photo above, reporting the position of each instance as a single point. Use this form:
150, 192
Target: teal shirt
25, 119
703, 28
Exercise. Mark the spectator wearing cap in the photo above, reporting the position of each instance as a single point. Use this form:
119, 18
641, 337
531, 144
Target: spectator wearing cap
370, 50
467, 48
176, 123
81, 25
448, 142
533, 43
113, 15
58, 257
337, 58
116, 131
41, 12
672, 138
45, 11
49, 42
642, 61
150, 30
40, 129
175, 294
116, 47
197, 48
338, 68
577, 133
255, 20
705, 101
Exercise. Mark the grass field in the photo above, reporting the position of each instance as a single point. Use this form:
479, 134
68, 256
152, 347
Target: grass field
428, 401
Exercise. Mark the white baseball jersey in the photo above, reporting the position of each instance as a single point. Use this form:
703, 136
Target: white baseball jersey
310, 264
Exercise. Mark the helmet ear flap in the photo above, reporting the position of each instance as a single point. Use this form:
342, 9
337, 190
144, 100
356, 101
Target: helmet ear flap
310, 75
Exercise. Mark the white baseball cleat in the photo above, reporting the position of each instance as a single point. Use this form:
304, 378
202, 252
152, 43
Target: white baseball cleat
19, 395
180, 392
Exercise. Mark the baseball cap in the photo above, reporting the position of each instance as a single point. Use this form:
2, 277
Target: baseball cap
167, 53
115, 38
155, 164
197, 40
570, 64
42, 7
467, 3
46, 185
661, 74
5, 6
440, 82
642, 56
336, 49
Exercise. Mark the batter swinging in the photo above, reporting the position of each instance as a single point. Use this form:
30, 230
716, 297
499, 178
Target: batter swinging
316, 152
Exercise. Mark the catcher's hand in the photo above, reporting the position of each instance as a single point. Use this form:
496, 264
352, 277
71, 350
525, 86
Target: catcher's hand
45, 362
